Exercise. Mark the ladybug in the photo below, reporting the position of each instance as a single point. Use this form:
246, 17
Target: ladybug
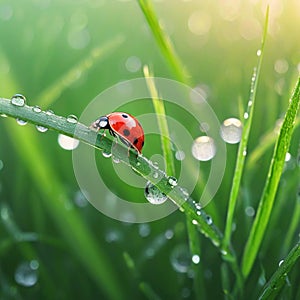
123, 125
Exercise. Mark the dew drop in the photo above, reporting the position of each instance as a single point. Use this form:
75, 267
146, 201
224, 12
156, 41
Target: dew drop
49, 112
281, 262
3, 115
204, 148
26, 273
72, 119
180, 259
258, 52
155, 175
67, 142
106, 154
288, 156
231, 131
21, 122
41, 128
154, 195
195, 222
209, 220
36, 109
172, 181
196, 259
115, 159
246, 115
18, 100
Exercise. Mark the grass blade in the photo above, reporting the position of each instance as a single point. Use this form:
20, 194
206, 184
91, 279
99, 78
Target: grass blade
243, 144
163, 41
278, 279
266, 203
162, 123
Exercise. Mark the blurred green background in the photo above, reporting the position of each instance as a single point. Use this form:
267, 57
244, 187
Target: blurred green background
60, 54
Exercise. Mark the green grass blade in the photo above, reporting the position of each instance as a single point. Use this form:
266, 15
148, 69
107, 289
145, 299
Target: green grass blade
266, 203
265, 143
243, 143
52, 93
140, 164
278, 279
163, 41
162, 123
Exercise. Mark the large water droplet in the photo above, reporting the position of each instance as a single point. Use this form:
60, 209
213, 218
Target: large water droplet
21, 122
72, 119
18, 100
26, 273
67, 142
204, 148
231, 130
41, 128
153, 194
181, 258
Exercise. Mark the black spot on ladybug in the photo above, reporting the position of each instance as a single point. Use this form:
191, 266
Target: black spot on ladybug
135, 141
126, 132
125, 116
143, 143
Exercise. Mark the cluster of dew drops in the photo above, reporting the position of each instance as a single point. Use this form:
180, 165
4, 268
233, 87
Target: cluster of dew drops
64, 141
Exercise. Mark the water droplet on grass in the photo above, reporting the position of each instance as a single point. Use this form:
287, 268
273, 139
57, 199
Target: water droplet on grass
18, 100
246, 115
106, 154
204, 148
154, 195
26, 273
49, 112
21, 122
281, 262
41, 128
36, 109
258, 52
209, 220
172, 181
67, 142
196, 259
181, 259
231, 130
72, 119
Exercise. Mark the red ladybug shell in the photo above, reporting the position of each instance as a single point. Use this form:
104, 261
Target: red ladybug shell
127, 127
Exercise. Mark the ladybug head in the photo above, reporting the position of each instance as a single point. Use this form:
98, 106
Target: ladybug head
101, 123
